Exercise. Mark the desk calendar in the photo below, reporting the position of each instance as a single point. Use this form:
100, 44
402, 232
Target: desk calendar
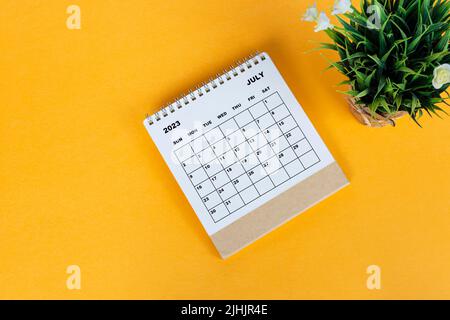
244, 153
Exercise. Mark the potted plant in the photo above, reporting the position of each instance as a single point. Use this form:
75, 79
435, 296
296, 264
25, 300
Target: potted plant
394, 54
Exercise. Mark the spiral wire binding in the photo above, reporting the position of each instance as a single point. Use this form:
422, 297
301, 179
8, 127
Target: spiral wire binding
239, 66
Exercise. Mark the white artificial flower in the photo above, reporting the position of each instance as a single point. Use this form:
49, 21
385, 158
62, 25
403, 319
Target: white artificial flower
342, 6
311, 13
323, 23
441, 75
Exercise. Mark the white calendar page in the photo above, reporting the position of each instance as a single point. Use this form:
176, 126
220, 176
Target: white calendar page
239, 145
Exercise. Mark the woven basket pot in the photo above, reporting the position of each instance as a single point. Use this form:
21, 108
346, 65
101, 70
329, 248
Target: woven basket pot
362, 114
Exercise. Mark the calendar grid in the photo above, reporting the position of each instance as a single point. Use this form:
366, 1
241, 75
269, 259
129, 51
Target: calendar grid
252, 167
229, 175
312, 149
257, 164
268, 144
275, 170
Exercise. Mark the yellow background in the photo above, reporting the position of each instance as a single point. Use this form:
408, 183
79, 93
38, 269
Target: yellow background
82, 183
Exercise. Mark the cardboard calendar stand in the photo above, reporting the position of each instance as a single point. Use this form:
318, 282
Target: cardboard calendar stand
279, 210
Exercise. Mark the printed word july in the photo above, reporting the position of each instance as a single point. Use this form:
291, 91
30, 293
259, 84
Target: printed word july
255, 78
